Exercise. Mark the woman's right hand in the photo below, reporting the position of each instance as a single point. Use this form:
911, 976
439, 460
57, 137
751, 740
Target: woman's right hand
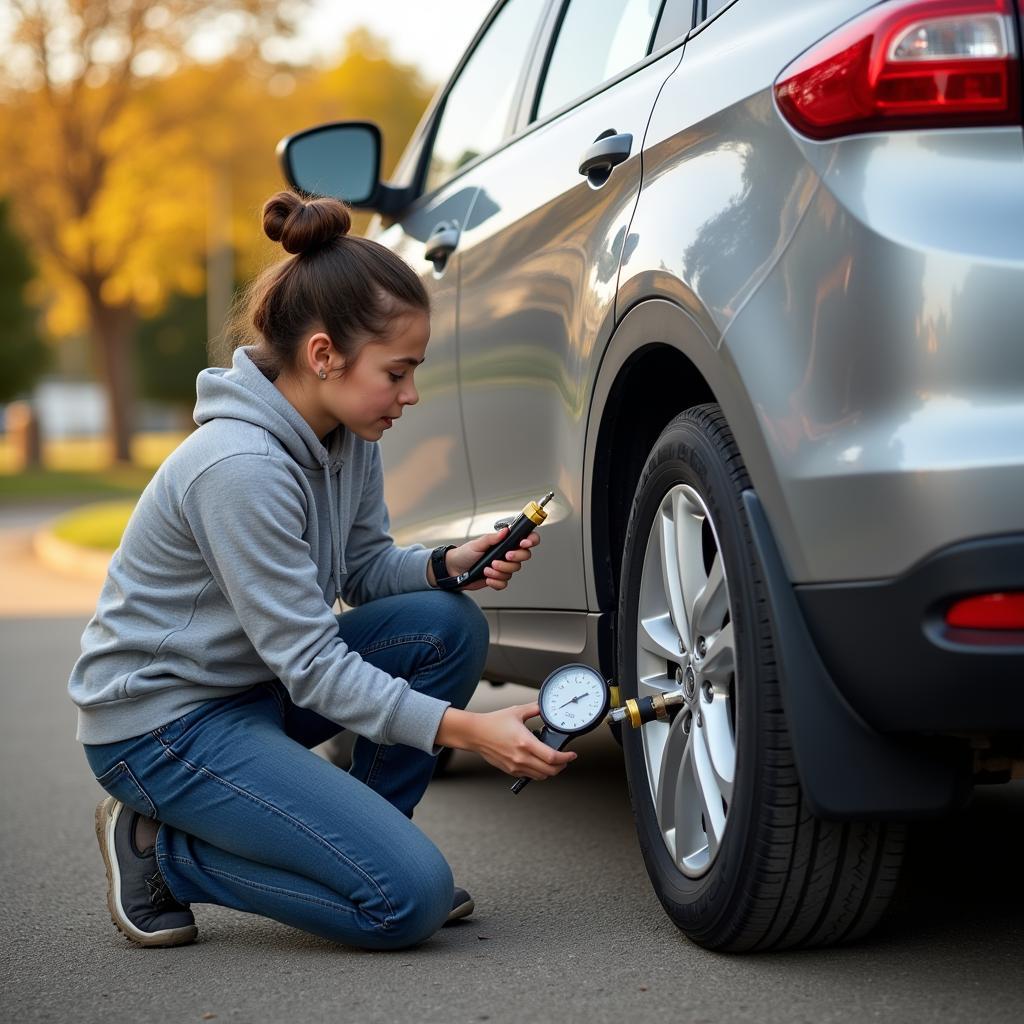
502, 739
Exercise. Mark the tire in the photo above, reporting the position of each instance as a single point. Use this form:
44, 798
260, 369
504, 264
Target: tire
767, 874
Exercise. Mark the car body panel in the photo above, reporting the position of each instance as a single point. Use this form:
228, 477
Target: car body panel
721, 162
847, 309
539, 264
900, 428
427, 484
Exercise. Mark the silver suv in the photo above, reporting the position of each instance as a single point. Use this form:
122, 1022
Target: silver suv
743, 283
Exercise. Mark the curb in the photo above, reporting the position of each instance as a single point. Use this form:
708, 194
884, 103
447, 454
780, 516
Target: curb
70, 559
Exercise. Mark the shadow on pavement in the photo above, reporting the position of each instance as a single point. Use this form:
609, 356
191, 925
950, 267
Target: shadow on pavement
962, 875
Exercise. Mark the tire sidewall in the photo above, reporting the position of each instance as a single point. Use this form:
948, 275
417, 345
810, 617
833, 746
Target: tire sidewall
687, 453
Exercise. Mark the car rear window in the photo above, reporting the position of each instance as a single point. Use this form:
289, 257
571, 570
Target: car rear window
596, 40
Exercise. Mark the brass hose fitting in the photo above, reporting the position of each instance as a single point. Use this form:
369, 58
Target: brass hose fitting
639, 711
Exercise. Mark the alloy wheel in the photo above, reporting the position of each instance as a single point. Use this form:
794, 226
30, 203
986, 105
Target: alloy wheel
685, 640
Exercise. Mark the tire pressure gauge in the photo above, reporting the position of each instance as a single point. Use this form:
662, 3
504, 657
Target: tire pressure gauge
573, 700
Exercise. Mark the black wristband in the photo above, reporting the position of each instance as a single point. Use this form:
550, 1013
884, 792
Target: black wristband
440, 567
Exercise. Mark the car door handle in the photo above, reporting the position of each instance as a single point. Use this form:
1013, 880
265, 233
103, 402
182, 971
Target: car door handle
609, 149
442, 242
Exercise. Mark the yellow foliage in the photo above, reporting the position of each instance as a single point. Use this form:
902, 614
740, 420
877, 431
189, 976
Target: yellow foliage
163, 163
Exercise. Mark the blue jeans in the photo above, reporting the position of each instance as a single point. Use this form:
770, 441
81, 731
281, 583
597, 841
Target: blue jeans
253, 819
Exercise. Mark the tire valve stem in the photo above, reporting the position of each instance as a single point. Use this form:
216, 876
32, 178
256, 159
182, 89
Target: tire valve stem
635, 713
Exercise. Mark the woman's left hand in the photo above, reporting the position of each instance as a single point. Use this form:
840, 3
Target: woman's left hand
499, 572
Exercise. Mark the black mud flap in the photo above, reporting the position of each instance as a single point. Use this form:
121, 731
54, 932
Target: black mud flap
847, 769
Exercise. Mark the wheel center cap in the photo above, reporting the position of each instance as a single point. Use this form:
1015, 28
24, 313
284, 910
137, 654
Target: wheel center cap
689, 681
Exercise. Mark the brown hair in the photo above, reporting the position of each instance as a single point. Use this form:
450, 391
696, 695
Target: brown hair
352, 287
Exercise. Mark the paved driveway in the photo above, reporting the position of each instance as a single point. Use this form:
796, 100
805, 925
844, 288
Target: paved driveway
566, 928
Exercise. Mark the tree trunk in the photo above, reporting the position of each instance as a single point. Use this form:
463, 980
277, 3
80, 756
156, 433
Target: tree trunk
112, 334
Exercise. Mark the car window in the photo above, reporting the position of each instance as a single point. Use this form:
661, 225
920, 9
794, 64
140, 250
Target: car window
596, 40
476, 113
714, 6
675, 21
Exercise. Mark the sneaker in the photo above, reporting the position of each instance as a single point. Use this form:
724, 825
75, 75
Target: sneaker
140, 903
462, 905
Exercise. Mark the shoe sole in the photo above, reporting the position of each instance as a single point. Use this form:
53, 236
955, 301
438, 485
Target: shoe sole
106, 819
461, 911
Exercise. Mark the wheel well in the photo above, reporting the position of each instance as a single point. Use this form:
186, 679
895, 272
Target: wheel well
655, 384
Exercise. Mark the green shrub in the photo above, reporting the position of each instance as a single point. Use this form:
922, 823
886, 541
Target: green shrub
97, 526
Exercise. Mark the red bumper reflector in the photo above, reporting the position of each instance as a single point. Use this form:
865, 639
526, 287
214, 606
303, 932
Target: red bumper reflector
988, 611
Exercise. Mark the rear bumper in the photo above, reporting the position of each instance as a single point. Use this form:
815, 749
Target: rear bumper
891, 654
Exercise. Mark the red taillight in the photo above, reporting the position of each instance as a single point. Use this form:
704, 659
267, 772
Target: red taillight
988, 611
924, 64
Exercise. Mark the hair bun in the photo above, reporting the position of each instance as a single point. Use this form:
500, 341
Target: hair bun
302, 226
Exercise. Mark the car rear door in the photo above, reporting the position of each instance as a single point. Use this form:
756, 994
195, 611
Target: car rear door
540, 256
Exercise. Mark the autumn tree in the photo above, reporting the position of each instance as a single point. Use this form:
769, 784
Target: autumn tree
93, 153
132, 165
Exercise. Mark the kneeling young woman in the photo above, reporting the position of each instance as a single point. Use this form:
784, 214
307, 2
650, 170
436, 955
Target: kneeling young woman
214, 661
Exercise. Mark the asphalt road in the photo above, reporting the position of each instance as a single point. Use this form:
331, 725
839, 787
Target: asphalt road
566, 928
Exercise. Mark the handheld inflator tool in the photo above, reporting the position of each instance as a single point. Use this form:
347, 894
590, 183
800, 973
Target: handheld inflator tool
521, 526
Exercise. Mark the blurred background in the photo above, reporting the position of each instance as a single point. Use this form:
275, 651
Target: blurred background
136, 150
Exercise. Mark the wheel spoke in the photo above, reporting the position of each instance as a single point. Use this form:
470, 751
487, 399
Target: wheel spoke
712, 602
670, 575
709, 794
670, 766
689, 838
655, 738
657, 635
721, 743
689, 521
720, 662
648, 686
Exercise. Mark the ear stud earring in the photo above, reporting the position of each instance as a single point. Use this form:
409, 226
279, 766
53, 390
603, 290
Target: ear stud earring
322, 374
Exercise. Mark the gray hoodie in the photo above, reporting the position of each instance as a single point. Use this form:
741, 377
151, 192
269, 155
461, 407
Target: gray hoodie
228, 569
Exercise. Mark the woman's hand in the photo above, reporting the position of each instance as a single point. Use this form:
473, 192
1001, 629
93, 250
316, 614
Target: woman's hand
499, 572
501, 738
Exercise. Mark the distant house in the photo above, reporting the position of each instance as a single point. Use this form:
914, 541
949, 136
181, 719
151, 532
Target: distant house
78, 408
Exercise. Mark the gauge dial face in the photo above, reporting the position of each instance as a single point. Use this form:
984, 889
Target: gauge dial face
573, 698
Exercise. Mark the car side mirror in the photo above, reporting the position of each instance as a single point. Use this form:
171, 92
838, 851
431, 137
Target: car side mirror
341, 159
